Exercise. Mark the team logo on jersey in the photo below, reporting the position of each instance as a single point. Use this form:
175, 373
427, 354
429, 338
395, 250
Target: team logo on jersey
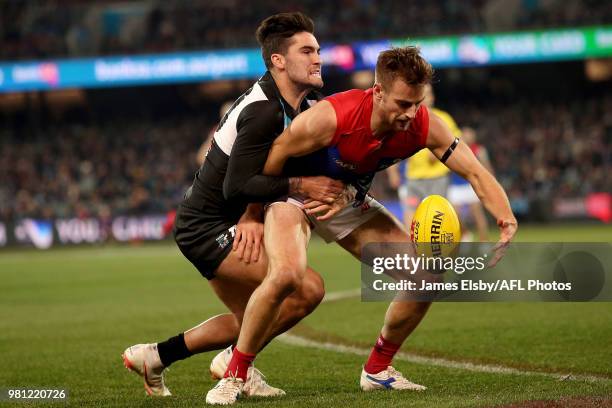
224, 239
345, 165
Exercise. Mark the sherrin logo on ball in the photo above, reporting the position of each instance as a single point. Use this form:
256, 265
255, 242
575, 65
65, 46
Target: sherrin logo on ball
435, 228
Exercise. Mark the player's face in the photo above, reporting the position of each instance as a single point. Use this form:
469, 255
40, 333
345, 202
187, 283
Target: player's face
303, 61
399, 103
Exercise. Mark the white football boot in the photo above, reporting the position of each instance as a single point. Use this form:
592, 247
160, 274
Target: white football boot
226, 392
389, 379
218, 365
255, 386
143, 359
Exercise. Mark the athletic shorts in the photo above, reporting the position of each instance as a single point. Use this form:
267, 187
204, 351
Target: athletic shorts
462, 194
343, 223
205, 241
414, 191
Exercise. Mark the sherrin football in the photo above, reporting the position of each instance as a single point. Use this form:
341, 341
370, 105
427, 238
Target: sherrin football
435, 228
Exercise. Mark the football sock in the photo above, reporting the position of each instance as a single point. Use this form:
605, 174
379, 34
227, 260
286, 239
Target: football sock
239, 364
381, 356
173, 349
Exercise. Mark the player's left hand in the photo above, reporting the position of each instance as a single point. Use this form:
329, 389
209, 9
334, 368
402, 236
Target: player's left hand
249, 235
507, 230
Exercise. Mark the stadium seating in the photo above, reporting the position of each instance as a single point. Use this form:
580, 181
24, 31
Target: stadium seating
142, 166
41, 29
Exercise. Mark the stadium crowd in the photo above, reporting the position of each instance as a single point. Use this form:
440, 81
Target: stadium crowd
50, 28
135, 166
559, 150
116, 168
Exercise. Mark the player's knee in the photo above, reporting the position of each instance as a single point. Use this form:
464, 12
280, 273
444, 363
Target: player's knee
286, 279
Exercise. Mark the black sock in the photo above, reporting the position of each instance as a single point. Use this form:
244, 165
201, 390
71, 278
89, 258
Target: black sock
173, 349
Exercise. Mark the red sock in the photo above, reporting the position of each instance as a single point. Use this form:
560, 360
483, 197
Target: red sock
381, 356
239, 364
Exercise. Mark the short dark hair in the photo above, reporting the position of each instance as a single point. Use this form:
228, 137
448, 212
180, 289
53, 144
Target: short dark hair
273, 33
405, 63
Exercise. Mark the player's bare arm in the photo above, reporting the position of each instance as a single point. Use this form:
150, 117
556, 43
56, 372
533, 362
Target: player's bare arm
310, 131
489, 191
432, 157
243, 178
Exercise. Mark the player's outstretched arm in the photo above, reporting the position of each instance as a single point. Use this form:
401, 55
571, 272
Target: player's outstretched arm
310, 131
463, 162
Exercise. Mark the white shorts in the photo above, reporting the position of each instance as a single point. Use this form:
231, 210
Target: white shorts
462, 194
346, 221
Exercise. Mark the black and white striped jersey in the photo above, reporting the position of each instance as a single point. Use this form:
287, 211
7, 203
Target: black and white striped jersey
231, 176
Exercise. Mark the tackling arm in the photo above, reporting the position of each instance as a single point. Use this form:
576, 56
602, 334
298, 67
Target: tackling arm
256, 126
311, 130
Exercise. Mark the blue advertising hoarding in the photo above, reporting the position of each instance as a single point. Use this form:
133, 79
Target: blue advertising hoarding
131, 70
449, 51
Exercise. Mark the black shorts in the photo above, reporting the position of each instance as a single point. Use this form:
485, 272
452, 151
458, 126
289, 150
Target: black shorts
204, 240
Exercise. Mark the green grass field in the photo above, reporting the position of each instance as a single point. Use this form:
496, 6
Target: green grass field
67, 314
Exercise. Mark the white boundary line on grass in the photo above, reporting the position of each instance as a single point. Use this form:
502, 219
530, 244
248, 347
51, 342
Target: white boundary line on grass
341, 295
432, 361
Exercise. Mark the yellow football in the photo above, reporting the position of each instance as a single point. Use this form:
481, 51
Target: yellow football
435, 228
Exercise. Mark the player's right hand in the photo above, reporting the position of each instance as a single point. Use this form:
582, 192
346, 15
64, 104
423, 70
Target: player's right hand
507, 229
321, 188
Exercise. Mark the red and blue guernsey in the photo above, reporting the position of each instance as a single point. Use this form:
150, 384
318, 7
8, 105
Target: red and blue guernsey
355, 154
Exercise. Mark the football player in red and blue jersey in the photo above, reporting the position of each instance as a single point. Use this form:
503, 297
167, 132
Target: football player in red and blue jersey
350, 136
